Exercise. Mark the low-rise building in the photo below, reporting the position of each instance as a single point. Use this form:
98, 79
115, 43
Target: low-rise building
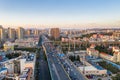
115, 49
11, 77
10, 67
8, 46
30, 42
106, 56
92, 69
116, 56
3, 71
2, 77
20, 68
27, 62
26, 74
93, 52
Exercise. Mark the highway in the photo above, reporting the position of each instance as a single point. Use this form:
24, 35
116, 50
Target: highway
71, 69
56, 70
61, 68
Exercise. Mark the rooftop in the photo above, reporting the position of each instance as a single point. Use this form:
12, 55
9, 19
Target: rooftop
30, 57
105, 54
87, 68
2, 69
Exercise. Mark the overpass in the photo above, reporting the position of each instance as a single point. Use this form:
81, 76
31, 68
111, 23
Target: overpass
57, 70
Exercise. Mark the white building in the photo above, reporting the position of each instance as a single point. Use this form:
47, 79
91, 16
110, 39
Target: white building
10, 67
91, 70
28, 63
19, 66
22, 64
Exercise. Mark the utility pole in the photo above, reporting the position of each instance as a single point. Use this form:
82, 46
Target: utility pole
74, 44
69, 36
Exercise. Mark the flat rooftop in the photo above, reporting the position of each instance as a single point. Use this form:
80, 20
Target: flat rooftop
2, 69
87, 68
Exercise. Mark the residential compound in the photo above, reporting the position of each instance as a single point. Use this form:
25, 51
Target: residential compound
10, 34
29, 42
86, 65
84, 46
20, 68
115, 57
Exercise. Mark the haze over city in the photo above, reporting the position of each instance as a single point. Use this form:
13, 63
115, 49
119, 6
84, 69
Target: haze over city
60, 13
59, 39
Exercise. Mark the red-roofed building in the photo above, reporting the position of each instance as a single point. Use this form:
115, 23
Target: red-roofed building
106, 56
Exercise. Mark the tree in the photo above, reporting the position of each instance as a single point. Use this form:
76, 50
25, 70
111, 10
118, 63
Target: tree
99, 79
109, 67
117, 77
78, 58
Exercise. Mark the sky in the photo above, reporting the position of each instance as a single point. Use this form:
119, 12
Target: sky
60, 13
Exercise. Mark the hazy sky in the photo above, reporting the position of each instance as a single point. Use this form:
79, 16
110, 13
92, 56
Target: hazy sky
60, 13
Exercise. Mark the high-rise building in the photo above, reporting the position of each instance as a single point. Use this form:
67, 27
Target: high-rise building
36, 32
6, 34
116, 34
20, 33
28, 32
55, 33
11, 33
1, 33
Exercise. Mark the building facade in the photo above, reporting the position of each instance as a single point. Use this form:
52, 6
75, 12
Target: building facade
11, 33
20, 32
55, 33
1, 33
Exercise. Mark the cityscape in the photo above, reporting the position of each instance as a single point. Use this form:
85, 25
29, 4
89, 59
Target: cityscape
59, 40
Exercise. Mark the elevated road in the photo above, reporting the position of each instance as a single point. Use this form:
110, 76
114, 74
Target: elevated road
56, 70
57, 65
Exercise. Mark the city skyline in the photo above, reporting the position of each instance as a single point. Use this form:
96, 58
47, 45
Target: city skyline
60, 13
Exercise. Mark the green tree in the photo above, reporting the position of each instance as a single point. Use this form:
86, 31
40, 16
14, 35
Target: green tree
99, 79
